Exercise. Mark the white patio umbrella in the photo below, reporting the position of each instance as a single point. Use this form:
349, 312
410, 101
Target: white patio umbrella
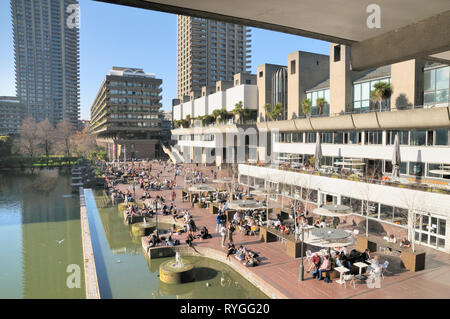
263, 192
318, 153
396, 159
333, 210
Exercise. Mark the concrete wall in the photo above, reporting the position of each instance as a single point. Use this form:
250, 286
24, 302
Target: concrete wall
216, 101
433, 154
188, 109
341, 80
400, 197
408, 82
178, 112
243, 78
264, 82
201, 106
305, 70
246, 93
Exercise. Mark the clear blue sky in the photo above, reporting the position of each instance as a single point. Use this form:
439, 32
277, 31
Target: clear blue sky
113, 35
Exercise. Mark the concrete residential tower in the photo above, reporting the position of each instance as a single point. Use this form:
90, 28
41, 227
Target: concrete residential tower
46, 50
209, 51
125, 114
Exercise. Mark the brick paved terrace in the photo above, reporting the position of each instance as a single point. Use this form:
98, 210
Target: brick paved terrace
280, 272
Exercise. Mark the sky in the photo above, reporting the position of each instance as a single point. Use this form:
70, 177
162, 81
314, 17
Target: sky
114, 35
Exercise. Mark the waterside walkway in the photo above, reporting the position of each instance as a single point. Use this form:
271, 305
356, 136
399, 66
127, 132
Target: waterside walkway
279, 273
90, 272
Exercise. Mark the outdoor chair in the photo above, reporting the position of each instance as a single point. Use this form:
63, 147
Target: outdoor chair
350, 278
309, 256
384, 267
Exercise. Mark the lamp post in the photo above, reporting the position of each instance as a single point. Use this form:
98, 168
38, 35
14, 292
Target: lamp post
302, 273
134, 188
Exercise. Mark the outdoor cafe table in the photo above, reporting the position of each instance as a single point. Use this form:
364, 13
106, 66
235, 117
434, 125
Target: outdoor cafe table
360, 265
293, 246
341, 271
329, 233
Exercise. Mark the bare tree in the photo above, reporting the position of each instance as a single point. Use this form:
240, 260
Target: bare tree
413, 202
64, 133
84, 142
28, 141
46, 135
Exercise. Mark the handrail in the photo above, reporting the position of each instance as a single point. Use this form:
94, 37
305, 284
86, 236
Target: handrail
427, 188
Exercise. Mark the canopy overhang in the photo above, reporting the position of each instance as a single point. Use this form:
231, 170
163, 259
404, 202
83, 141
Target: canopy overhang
408, 29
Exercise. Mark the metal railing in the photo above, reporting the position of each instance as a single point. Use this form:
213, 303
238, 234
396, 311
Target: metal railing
354, 177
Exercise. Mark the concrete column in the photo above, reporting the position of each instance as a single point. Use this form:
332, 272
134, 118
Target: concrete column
304, 71
407, 81
341, 86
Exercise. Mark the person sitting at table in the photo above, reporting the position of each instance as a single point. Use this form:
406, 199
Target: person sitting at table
345, 260
405, 243
325, 267
365, 256
338, 261
317, 224
315, 262
392, 239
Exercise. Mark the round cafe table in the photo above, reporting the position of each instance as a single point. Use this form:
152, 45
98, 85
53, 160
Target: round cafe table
329, 233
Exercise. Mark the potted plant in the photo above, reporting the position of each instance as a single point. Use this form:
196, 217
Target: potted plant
238, 112
382, 91
321, 102
306, 106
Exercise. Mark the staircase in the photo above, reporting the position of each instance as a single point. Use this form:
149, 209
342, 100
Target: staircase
175, 157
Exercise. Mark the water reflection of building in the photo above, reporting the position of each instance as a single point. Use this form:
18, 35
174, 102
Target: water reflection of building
51, 239
117, 234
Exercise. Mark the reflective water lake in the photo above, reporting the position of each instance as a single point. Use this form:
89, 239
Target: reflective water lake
40, 235
124, 272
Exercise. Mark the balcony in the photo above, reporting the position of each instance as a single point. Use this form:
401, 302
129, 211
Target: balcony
348, 175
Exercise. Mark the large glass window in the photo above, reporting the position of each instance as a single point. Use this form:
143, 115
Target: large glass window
402, 137
442, 136
374, 137
311, 137
436, 86
386, 213
361, 96
430, 230
338, 138
312, 96
418, 138
416, 168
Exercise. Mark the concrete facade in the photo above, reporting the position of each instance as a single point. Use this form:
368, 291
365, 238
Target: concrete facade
209, 51
304, 71
47, 64
126, 112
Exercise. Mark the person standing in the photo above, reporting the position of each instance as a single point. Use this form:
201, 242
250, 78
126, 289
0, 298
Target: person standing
218, 222
230, 232
223, 233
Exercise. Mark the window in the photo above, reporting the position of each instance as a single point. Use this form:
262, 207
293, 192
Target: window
418, 138
293, 67
260, 74
402, 137
374, 137
337, 53
311, 137
436, 86
416, 168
